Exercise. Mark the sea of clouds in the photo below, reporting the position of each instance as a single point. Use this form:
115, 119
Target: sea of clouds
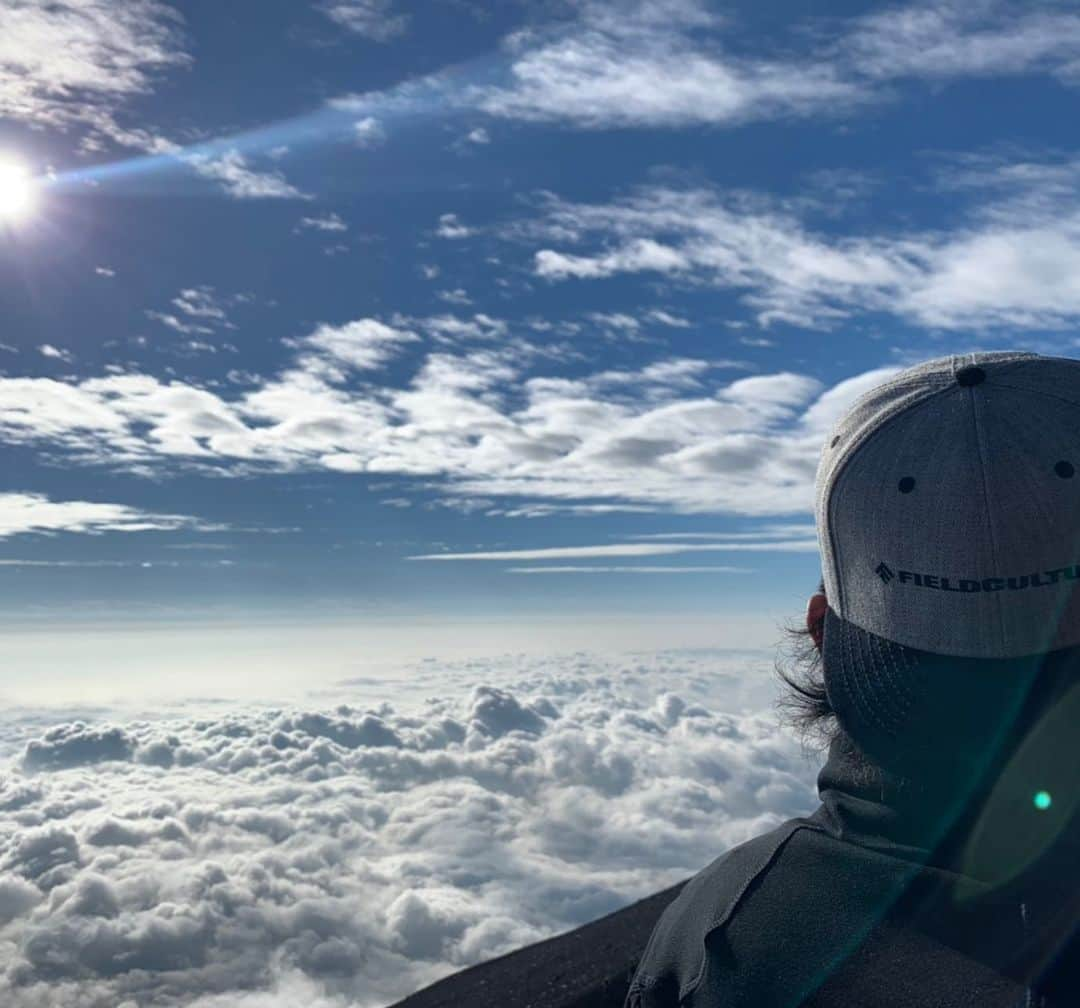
349, 853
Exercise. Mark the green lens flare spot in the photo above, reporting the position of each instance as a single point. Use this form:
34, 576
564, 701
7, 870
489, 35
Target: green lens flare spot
1042, 800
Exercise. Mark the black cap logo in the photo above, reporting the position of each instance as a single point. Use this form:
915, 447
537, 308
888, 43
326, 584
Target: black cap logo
884, 571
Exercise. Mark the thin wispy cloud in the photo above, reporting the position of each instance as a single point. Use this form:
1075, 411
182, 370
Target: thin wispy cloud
378, 20
80, 62
233, 170
656, 63
679, 63
627, 549
633, 64
1007, 264
974, 39
25, 513
704, 569
324, 222
765, 532
671, 63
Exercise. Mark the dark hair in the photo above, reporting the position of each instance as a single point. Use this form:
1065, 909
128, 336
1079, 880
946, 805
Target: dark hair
804, 705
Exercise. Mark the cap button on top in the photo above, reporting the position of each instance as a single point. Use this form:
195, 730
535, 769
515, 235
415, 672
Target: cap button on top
970, 375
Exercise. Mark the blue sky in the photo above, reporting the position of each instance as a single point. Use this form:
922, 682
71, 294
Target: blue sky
538, 314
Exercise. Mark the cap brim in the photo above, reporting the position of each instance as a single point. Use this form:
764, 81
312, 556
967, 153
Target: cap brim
908, 709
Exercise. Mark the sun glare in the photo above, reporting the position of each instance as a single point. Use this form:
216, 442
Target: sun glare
17, 191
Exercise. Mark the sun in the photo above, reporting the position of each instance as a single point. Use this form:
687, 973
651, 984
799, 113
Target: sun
17, 190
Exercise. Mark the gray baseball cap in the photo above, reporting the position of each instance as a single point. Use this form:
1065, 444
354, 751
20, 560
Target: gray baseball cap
948, 518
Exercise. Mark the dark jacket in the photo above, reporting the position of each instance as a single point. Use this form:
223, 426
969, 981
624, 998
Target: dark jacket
887, 896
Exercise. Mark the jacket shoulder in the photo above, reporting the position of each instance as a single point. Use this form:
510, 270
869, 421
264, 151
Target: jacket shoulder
674, 958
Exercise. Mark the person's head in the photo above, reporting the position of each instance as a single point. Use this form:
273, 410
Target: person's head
949, 527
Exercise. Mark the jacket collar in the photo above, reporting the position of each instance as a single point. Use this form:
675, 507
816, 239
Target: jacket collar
955, 821
918, 820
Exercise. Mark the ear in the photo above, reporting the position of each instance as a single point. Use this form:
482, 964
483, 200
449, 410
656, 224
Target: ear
815, 617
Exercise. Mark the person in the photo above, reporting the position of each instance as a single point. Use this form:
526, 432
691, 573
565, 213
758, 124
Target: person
941, 867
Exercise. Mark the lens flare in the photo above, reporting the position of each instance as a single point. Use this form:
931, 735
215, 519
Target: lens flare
1042, 800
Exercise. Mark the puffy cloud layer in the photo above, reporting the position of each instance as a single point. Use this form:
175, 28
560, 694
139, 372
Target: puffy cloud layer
349, 856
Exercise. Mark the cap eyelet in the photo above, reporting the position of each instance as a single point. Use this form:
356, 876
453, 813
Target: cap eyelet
906, 485
970, 375
1064, 469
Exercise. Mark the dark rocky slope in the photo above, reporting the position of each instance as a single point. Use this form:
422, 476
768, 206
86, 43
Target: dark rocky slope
589, 967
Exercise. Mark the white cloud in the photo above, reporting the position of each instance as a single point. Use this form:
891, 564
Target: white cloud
66, 62
667, 63
704, 569
678, 64
368, 132
637, 256
451, 227
363, 344
547, 510
657, 63
374, 19
781, 530
324, 222
673, 372
177, 324
661, 317
958, 39
22, 513
1014, 262
232, 170
479, 408
104, 271
56, 353
350, 856
198, 311
200, 302
450, 329
637, 549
